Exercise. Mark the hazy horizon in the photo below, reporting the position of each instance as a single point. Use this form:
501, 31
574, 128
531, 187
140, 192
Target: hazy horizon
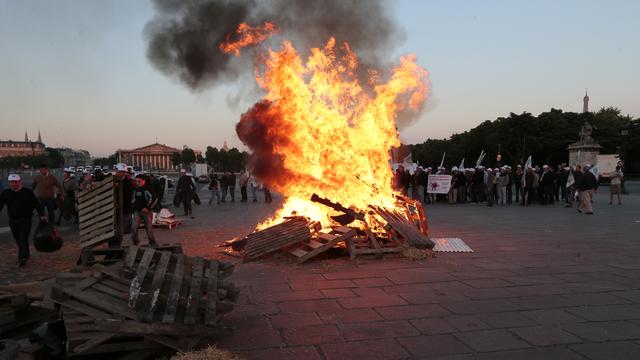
78, 72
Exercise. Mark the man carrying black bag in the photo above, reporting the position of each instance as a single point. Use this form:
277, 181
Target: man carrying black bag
20, 203
144, 200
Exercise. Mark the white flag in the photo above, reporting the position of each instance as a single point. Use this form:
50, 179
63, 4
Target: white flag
527, 165
442, 161
570, 179
461, 165
480, 158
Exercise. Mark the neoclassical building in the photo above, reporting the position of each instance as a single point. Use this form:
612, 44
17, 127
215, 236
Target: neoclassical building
155, 156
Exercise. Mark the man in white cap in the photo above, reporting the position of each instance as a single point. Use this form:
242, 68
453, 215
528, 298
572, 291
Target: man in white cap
20, 203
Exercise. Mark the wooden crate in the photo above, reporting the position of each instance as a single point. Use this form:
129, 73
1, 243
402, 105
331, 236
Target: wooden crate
107, 256
368, 244
403, 229
97, 213
322, 242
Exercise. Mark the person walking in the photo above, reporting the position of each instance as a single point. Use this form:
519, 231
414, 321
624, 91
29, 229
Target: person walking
244, 181
501, 183
186, 188
232, 186
587, 186
616, 185
453, 190
45, 186
144, 200
20, 204
547, 185
214, 187
253, 182
70, 186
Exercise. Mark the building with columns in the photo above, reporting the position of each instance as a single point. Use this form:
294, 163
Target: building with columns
151, 157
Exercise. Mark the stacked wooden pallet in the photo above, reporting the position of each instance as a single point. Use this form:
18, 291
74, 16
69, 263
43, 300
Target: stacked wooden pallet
97, 213
150, 300
277, 237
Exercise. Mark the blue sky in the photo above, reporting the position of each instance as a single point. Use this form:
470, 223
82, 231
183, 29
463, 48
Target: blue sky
77, 69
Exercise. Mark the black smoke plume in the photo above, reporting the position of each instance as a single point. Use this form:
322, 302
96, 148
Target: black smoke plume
184, 35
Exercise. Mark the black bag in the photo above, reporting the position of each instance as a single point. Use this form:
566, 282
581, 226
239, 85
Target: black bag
47, 238
177, 199
196, 198
51, 335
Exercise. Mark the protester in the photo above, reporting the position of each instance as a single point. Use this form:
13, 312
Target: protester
70, 186
267, 194
253, 182
420, 180
453, 190
214, 187
45, 186
616, 185
461, 184
144, 200
87, 183
185, 189
20, 203
501, 184
547, 185
232, 185
587, 186
244, 181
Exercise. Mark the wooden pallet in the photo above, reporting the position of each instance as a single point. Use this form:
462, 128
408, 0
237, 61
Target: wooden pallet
369, 244
277, 237
401, 228
150, 299
107, 256
97, 213
321, 243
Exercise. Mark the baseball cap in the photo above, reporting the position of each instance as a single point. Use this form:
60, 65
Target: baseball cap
14, 177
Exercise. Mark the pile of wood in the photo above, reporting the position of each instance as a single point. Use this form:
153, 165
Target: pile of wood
147, 303
375, 232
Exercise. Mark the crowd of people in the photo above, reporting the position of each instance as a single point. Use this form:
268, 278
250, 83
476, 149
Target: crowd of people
221, 185
505, 185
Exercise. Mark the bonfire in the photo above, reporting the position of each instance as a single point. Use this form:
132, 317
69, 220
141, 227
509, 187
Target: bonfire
322, 138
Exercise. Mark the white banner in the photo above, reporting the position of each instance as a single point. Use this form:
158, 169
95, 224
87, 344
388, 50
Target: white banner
439, 184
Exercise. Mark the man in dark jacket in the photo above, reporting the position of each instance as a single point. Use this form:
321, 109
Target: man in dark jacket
143, 203
125, 186
186, 188
20, 203
587, 185
547, 185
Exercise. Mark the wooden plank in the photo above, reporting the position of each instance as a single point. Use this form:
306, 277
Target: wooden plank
174, 291
83, 308
99, 301
98, 228
97, 198
99, 185
156, 283
195, 293
298, 252
136, 327
96, 209
92, 343
131, 255
211, 317
141, 274
96, 219
122, 346
255, 249
97, 240
96, 225
331, 241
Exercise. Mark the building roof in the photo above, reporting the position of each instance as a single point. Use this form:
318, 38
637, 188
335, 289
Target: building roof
153, 148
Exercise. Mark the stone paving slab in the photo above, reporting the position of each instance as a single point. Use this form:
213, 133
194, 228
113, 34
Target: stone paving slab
544, 283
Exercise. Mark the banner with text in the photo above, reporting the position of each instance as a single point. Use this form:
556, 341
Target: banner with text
439, 184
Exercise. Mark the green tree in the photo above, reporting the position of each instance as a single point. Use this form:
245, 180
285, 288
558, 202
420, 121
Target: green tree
188, 156
55, 159
176, 159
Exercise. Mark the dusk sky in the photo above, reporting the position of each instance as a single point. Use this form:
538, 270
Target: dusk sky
77, 70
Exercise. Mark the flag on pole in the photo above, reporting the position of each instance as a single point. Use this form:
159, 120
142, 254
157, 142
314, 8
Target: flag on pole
595, 171
570, 179
442, 161
480, 158
527, 165
461, 167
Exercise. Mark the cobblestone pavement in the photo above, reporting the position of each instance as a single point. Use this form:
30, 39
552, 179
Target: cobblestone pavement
543, 283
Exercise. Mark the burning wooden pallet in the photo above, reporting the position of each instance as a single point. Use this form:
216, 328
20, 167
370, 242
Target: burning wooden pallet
150, 300
322, 242
402, 229
277, 237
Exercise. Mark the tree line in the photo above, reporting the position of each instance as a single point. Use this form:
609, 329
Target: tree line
52, 158
545, 137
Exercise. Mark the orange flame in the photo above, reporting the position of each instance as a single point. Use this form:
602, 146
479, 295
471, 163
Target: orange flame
247, 35
332, 136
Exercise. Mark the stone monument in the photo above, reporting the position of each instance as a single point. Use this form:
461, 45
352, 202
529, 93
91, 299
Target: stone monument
584, 151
